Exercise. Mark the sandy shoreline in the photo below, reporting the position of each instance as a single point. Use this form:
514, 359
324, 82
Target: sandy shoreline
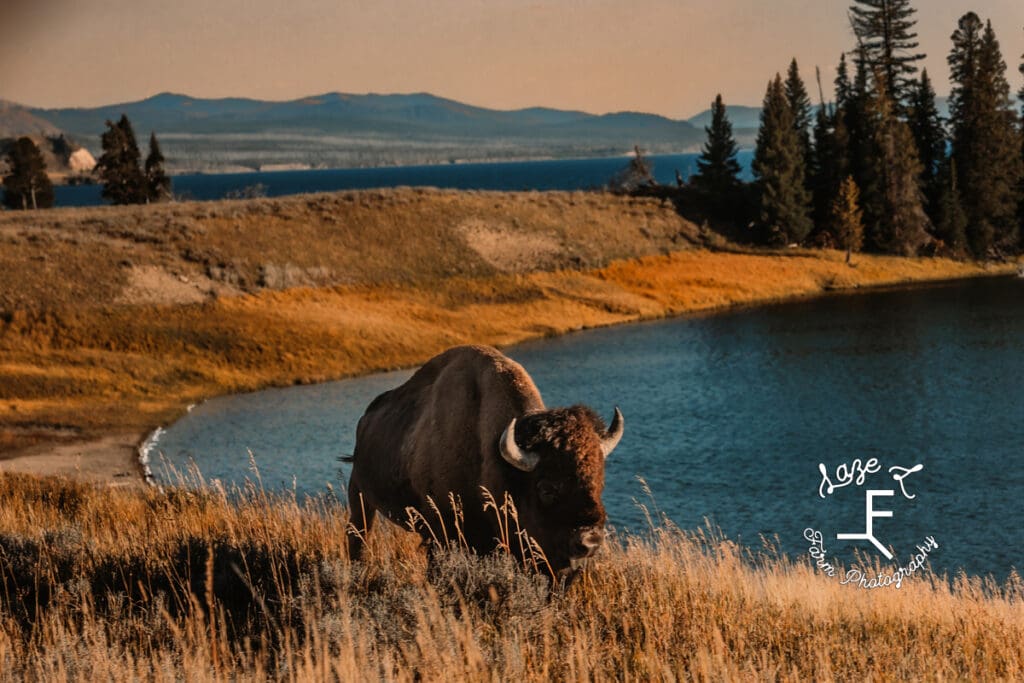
112, 460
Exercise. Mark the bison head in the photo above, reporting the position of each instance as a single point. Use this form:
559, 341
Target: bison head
561, 454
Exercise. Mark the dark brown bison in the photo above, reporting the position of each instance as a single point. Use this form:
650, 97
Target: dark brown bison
472, 419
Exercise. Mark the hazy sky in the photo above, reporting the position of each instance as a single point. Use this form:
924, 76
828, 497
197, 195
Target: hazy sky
663, 56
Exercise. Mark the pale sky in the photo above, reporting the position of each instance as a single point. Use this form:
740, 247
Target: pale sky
661, 56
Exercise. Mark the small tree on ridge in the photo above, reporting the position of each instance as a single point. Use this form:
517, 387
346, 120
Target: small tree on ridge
27, 185
158, 185
718, 171
119, 166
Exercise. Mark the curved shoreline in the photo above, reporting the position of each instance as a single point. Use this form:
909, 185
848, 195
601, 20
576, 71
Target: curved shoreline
103, 460
114, 319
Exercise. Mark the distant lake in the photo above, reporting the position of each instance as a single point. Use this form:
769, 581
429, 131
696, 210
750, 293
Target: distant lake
560, 174
729, 416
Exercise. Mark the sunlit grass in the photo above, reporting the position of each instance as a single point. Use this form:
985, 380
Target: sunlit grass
196, 584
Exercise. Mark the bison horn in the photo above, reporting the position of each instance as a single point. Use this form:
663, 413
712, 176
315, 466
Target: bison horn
609, 442
522, 460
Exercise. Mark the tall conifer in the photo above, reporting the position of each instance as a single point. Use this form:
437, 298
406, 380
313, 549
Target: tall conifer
829, 159
986, 141
800, 105
929, 135
901, 225
842, 83
718, 170
778, 167
119, 166
885, 31
834, 158
826, 166
158, 184
860, 135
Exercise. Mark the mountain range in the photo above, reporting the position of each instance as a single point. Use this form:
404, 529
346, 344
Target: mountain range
335, 130
338, 130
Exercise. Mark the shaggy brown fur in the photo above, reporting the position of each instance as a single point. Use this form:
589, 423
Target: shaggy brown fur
438, 434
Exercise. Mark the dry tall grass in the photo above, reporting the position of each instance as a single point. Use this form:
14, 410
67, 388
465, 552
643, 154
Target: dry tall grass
189, 585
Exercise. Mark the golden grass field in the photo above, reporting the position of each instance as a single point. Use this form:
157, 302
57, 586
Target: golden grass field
121, 585
113, 320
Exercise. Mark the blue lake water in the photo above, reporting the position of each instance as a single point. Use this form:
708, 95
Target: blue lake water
560, 174
729, 416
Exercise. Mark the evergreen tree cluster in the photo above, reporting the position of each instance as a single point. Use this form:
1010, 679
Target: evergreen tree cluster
877, 166
125, 179
27, 185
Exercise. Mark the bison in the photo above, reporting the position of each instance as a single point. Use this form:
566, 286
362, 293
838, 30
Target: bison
471, 421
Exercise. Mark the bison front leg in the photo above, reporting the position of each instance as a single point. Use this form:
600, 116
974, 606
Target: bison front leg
361, 516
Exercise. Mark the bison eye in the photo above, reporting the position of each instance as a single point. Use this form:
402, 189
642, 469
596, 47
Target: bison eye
548, 491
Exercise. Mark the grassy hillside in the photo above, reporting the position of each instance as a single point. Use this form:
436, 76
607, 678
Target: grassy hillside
100, 584
16, 120
115, 319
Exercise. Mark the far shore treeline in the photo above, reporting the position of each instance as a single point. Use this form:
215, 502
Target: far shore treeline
874, 167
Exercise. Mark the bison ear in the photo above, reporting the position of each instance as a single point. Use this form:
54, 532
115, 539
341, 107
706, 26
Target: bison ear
513, 455
611, 440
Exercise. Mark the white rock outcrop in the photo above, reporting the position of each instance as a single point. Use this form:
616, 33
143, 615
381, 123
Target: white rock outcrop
81, 161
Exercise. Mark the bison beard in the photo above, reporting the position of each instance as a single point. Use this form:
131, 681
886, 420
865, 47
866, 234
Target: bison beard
470, 423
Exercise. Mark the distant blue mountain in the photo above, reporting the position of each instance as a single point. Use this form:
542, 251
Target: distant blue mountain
419, 114
344, 130
739, 116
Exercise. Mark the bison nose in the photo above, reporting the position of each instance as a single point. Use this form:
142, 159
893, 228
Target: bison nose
585, 541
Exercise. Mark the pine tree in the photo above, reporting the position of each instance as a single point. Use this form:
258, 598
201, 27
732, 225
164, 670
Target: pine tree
158, 185
901, 225
800, 105
847, 217
986, 142
779, 171
950, 219
833, 145
861, 153
27, 186
929, 135
718, 171
843, 88
885, 31
119, 166
830, 158
826, 166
